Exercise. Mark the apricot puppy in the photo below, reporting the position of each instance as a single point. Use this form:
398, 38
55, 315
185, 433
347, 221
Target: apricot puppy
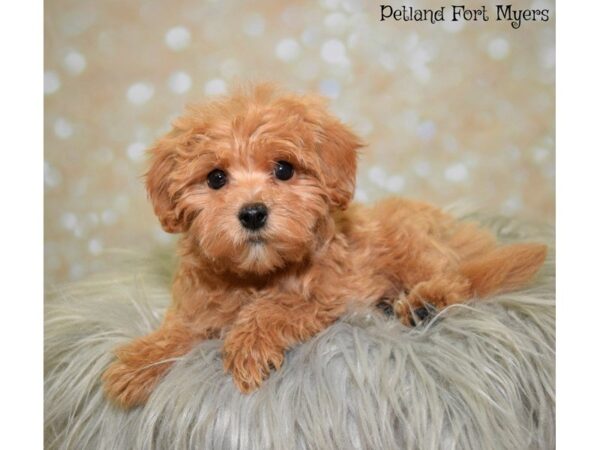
271, 253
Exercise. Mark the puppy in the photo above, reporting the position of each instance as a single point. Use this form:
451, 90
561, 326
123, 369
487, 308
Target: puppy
259, 184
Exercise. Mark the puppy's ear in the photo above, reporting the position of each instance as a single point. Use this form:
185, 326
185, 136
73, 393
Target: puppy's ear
159, 183
337, 147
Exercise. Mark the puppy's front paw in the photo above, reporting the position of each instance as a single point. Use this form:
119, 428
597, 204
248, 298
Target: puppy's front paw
250, 358
129, 386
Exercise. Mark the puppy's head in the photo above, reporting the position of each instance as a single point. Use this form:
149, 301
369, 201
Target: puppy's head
252, 178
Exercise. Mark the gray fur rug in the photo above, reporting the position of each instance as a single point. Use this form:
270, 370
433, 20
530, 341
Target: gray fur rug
479, 376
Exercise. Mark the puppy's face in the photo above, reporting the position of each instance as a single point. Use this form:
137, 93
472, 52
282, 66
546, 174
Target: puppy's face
251, 179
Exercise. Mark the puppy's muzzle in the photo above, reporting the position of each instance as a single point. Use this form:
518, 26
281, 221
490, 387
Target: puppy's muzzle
253, 216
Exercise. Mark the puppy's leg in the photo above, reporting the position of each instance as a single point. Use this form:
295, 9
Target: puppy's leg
500, 270
266, 328
140, 364
430, 295
429, 272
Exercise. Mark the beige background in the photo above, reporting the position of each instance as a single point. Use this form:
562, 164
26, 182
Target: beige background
451, 111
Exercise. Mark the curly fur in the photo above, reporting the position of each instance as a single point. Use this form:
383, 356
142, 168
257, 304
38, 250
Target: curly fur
266, 290
479, 376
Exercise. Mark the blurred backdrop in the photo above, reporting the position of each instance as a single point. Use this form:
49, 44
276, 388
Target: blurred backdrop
451, 112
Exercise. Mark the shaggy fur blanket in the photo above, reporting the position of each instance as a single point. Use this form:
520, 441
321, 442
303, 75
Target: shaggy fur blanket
478, 376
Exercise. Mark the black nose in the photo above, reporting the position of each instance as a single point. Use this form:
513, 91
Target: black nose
253, 216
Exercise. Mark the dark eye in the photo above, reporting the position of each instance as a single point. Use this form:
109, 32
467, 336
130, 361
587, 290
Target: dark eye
216, 179
283, 170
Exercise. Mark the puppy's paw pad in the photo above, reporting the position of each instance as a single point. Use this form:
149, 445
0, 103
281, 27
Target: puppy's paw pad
421, 314
412, 314
385, 307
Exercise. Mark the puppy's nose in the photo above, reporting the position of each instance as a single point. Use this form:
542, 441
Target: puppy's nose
253, 216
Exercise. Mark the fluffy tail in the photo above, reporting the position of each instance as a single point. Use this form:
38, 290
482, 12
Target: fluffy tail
504, 268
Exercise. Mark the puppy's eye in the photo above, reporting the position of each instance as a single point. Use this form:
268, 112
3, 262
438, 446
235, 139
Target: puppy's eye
283, 170
216, 179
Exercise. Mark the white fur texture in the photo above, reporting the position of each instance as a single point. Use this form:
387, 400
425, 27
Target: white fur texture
479, 376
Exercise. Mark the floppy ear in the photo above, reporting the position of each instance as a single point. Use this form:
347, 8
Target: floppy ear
159, 183
337, 147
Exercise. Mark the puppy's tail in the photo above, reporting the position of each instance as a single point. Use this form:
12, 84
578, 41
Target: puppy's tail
504, 268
